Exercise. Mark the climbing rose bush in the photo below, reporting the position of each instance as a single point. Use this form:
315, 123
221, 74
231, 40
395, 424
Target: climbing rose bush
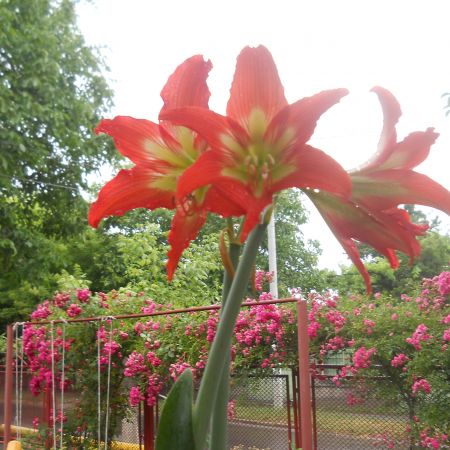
147, 355
404, 339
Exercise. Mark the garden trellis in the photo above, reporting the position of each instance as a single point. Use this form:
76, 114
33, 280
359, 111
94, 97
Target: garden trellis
15, 347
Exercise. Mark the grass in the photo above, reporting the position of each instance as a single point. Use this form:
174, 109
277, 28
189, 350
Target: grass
339, 422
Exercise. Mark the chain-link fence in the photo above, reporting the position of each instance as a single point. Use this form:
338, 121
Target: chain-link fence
351, 415
259, 413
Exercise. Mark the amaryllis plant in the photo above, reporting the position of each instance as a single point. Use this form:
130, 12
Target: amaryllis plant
196, 161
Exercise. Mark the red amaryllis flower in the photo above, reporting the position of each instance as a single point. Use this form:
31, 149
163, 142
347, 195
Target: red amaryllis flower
372, 215
259, 148
161, 153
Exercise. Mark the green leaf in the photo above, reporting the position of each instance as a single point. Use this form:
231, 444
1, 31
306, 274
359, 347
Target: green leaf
175, 426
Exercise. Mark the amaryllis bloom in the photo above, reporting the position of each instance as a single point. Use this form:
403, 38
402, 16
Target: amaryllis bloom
259, 147
161, 153
371, 214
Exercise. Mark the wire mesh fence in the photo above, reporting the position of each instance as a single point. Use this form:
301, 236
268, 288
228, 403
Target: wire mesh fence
351, 415
263, 414
259, 413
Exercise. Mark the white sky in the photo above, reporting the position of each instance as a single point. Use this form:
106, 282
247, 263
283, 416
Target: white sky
402, 45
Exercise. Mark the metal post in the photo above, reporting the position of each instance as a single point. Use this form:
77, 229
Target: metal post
296, 408
149, 427
140, 425
272, 249
304, 376
288, 404
47, 405
8, 385
314, 410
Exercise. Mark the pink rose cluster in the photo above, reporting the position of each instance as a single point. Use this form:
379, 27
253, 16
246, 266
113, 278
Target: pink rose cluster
421, 385
40, 357
263, 325
419, 335
260, 277
428, 439
142, 368
399, 360
443, 282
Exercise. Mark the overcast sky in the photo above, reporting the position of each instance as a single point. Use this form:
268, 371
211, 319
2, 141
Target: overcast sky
318, 44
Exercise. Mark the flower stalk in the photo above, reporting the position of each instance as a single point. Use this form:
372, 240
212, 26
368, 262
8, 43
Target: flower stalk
209, 386
220, 412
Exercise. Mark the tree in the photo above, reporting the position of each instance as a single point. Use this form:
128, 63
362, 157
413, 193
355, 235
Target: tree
52, 93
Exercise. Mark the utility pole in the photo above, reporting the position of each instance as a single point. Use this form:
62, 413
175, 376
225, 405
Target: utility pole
272, 247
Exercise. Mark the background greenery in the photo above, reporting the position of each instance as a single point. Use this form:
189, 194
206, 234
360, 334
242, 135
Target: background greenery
53, 92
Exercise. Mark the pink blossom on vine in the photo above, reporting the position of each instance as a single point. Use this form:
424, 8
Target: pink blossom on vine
134, 364
83, 295
73, 310
405, 298
336, 318
369, 324
420, 335
153, 359
110, 348
154, 387
361, 358
212, 322
42, 311
60, 299
446, 335
399, 360
175, 370
443, 283
421, 385
135, 396
231, 409
313, 328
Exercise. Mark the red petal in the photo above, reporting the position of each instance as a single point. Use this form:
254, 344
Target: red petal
388, 138
303, 115
210, 125
255, 208
217, 201
128, 190
390, 188
206, 170
187, 85
316, 170
409, 153
185, 227
352, 251
385, 231
130, 137
256, 84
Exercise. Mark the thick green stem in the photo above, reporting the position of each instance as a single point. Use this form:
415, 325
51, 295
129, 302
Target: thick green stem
220, 411
222, 343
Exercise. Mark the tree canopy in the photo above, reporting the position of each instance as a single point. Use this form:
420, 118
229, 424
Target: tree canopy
52, 94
